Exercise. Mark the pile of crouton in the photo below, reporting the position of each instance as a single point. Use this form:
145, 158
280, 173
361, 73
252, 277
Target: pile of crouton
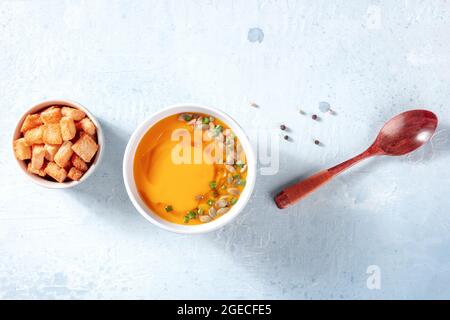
58, 142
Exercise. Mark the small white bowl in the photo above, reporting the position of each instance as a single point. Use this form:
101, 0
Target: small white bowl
140, 205
95, 162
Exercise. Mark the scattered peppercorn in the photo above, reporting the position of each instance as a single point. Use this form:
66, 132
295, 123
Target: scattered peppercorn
317, 142
302, 112
286, 137
283, 127
314, 117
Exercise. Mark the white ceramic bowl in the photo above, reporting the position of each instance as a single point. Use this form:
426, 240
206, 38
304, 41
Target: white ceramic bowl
130, 184
95, 162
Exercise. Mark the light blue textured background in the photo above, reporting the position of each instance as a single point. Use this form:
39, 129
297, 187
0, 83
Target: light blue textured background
126, 59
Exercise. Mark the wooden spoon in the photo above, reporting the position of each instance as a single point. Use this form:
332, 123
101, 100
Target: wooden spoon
402, 134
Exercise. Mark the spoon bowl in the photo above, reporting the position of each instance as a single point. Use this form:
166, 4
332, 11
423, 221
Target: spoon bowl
406, 132
402, 134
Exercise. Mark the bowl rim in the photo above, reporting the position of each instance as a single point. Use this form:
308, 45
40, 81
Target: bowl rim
128, 164
38, 106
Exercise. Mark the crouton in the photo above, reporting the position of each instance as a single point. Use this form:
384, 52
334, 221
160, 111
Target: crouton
21, 149
50, 151
40, 172
85, 147
68, 129
78, 163
59, 142
37, 156
75, 174
52, 134
64, 153
34, 136
51, 115
56, 172
68, 165
87, 126
30, 122
73, 113
93, 137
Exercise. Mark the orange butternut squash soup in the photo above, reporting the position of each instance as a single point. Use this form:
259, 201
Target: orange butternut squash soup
190, 168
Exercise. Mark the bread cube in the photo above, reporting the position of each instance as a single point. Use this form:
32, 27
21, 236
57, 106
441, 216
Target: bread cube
30, 122
37, 156
68, 165
78, 163
56, 172
52, 134
64, 153
82, 133
93, 137
51, 115
50, 151
87, 126
73, 113
40, 172
34, 136
78, 126
75, 174
68, 130
21, 149
85, 147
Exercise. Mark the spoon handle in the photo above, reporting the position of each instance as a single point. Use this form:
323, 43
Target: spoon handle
301, 189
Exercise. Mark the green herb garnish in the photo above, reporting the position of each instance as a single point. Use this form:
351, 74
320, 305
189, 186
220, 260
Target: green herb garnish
168, 208
205, 120
233, 201
217, 130
187, 117
240, 164
210, 202
241, 182
190, 215
213, 184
